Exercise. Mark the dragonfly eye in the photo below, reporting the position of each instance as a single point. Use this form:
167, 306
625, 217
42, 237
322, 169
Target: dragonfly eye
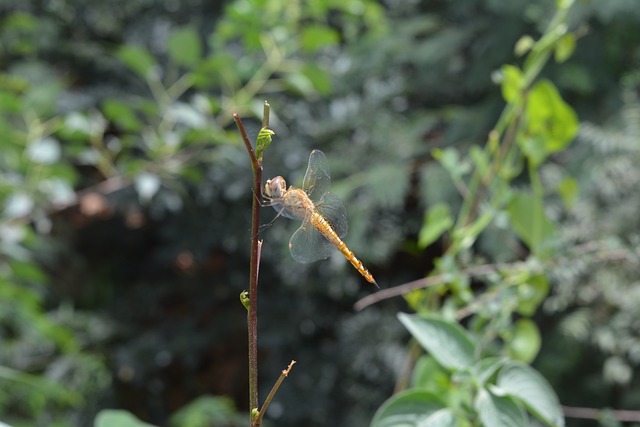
275, 188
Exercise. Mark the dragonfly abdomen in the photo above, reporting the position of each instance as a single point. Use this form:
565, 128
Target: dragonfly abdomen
325, 228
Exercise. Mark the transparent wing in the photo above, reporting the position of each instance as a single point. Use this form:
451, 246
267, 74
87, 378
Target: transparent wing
332, 209
308, 245
316, 180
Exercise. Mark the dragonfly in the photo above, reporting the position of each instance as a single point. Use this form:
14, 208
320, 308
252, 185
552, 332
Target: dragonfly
323, 215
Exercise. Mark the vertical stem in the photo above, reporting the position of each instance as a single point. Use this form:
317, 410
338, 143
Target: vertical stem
252, 316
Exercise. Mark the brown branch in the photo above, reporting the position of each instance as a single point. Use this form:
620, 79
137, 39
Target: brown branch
423, 283
252, 315
596, 414
272, 393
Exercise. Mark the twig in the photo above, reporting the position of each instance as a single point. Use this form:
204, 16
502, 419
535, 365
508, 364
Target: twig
596, 414
274, 389
424, 283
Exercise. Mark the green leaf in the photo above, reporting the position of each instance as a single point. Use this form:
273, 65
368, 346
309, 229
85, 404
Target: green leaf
524, 344
437, 220
565, 47
121, 113
184, 46
319, 78
447, 342
206, 411
486, 368
527, 385
428, 374
316, 37
408, 409
137, 58
511, 83
498, 411
551, 123
263, 141
112, 417
531, 223
568, 190
531, 294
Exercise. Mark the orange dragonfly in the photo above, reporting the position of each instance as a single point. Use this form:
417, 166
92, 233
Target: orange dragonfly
324, 218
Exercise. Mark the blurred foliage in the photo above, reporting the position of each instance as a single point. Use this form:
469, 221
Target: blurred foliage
125, 195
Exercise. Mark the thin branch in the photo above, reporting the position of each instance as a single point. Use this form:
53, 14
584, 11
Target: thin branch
426, 282
597, 414
272, 393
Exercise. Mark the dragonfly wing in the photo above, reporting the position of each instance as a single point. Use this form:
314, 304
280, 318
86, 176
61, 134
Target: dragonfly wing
317, 180
332, 209
308, 245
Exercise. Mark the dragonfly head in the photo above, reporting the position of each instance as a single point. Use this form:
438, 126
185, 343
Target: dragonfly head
275, 188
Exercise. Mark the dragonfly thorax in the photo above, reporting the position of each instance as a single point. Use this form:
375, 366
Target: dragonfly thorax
275, 188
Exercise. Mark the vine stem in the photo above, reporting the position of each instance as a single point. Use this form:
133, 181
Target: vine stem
256, 245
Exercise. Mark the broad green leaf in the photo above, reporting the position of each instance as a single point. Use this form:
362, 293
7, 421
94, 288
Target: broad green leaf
527, 385
407, 409
568, 190
119, 418
137, 58
316, 37
437, 220
428, 374
498, 411
446, 341
530, 222
524, 344
206, 411
565, 47
511, 83
485, 369
184, 46
551, 122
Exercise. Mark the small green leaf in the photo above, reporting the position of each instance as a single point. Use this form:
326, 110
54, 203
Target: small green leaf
524, 344
531, 223
411, 408
525, 384
121, 113
184, 46
565, 47
263, 141
524, 45
112, 417
551, 122
244, 299
498, 411
511, 83
447, 342
437, 220
568, 190
318, 77
531, 293
137, 58
316, 37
